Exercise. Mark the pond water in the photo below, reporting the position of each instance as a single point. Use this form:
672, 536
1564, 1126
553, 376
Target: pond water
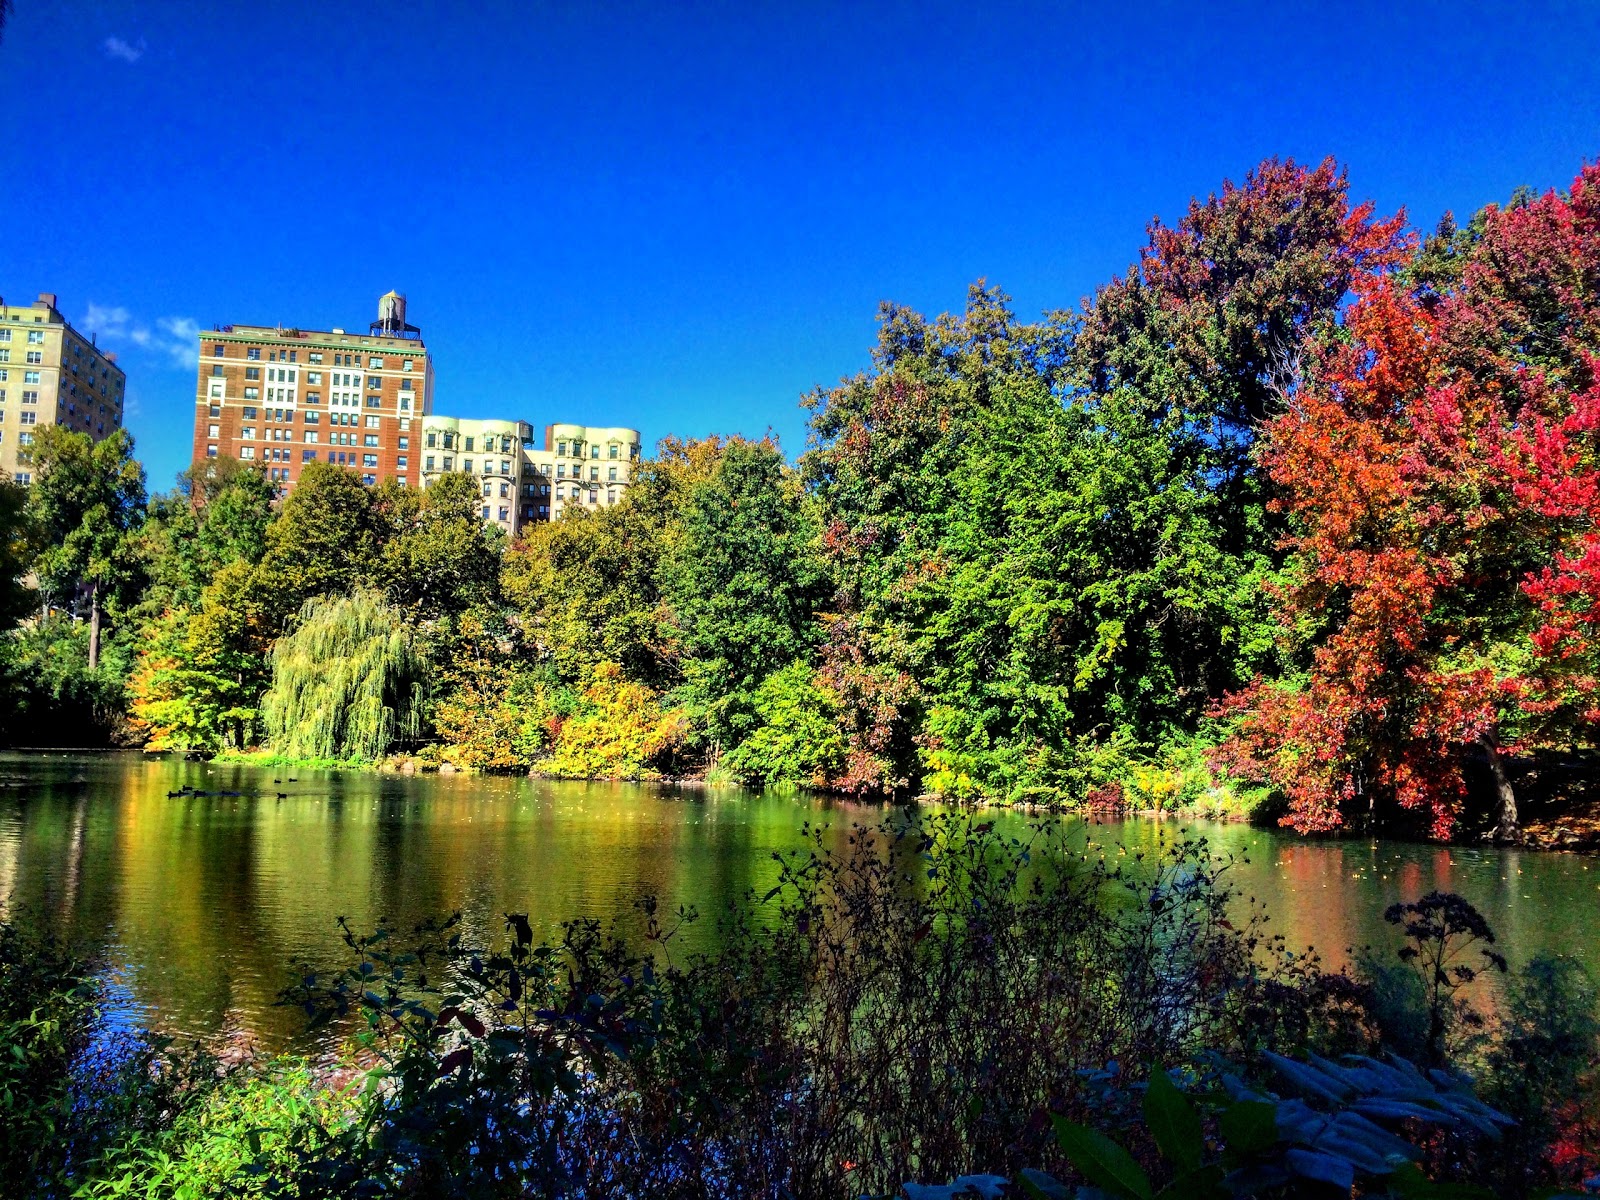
203, 903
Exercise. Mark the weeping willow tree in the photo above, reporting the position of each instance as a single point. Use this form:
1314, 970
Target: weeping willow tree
346, 682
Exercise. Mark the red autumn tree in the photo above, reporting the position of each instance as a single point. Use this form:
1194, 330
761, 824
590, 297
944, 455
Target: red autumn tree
1440, 475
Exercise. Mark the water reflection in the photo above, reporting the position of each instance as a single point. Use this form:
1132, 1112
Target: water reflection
208, 899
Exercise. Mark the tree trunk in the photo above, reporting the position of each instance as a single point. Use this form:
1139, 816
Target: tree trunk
94, 625
1507, 827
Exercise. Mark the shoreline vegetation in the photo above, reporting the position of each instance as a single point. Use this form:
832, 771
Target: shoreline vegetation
886, 1021
1297, 518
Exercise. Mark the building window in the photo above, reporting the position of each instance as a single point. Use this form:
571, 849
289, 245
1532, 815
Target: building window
369, 460
247, 451
466, 465
561, 449
374, 401
611, 495
408, 364
405, 385
505, 514
216, 351
30, 377
432, 439
213, 431
216, 370
5, 335
485, 512
249, 414
35, 337
5, 356
36, 356
469, 444
561, 470
405, 443
505, 466
611, 473
401, 462
370, 439
311, 418
405, 402
252, 393
312, 437
504, 491
449, 462
252, 372
254, 353
427, 463
29, 418
30, 397
487, 488
594, 473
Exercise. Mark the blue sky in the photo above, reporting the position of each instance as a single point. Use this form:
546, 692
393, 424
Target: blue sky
680, 217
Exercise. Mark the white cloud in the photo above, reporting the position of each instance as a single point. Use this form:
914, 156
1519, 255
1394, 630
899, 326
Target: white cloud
172, 337
116, 47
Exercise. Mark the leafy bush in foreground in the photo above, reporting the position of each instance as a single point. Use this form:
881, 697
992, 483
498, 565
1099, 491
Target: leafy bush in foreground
933, 1001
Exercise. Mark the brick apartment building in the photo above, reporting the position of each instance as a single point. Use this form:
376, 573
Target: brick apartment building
286, 397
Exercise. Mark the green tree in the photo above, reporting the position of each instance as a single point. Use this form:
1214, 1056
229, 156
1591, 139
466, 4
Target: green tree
87, 501
16, 553
796, 739
217, 515
742, 586
200, 674
440, 557
347, 681
587, 588
326, 540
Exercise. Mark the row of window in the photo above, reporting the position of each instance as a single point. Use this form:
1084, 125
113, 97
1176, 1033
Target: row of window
612, 451
34, 356
466, 465
253, 353
35, 336
27, 397
450, 441
23, 418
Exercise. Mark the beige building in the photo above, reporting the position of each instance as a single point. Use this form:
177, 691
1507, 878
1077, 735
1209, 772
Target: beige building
50, 374
579, 466
286, 397
491, 451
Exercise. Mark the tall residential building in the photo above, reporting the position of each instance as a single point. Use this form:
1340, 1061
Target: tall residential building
286, 397
50, 374
489, 450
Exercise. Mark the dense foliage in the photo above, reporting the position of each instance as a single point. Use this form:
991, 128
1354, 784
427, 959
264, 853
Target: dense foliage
932, 1001
1300, 509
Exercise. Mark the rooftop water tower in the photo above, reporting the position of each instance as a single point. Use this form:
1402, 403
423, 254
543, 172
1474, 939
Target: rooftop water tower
391, 320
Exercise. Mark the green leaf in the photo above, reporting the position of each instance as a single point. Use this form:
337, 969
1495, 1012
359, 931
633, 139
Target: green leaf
1249, 1126
1203, 1184
1101, 1161
1173, 1122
